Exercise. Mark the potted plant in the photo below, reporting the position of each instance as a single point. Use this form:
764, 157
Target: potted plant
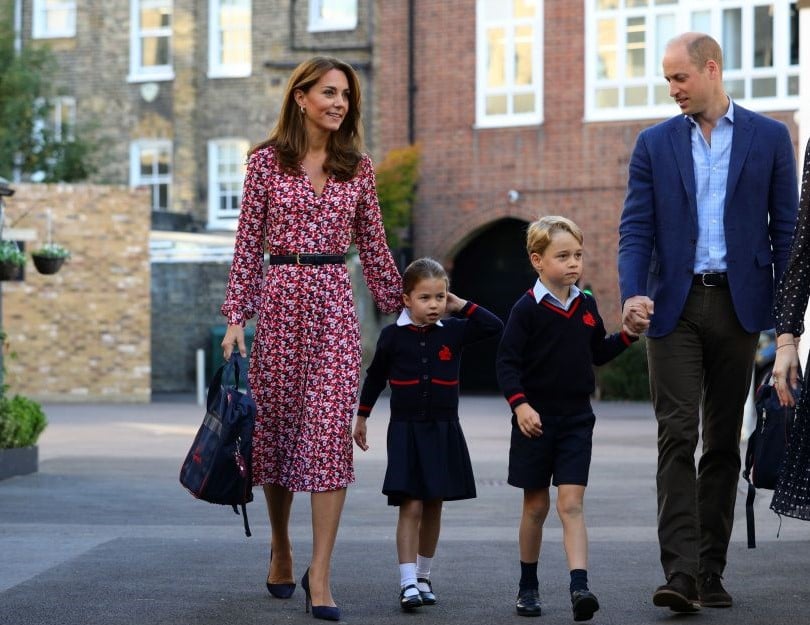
21, 422
11, 260
48, 259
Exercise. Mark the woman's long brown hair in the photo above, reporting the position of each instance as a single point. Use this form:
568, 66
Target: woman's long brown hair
289, 137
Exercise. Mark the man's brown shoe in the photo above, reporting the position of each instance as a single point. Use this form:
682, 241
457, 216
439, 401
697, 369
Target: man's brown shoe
679, 594
711, 592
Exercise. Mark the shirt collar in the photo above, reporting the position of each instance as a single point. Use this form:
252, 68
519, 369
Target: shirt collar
729, 114
405, 319
540, 292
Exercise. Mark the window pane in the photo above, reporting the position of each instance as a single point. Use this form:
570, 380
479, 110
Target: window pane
496, 57
763, 36
794, 35
154, 51
661, 94
606, 43
340, 10
635, 96
162, 196
163, 162
147, 160
155, 18
636, 37
660, 2
732, 38
763, 88
523, 103
606, 4
523, 55
735, 88
665, 29
701, 21
524, 8
636, 3
496, 105
59, 20
793, 85
607, 98
235, 48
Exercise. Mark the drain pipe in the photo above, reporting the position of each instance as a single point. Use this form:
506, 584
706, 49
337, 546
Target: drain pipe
17, 26
411, 74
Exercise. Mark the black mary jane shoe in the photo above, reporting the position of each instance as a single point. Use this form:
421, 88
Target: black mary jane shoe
410, 602
528, 602
584, 604
428, 597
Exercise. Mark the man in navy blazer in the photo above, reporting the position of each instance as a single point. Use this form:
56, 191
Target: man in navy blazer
705, 233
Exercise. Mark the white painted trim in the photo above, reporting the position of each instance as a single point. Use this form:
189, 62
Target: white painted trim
153, 73
215, 219
39, 26
215, 68
318, 25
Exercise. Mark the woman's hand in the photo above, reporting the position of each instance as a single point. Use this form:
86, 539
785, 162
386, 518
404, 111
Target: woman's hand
234, 334
454, 303
359, 434
785, 372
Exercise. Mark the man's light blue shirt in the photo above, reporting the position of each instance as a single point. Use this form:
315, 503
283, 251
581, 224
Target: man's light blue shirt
540, 291
711, 174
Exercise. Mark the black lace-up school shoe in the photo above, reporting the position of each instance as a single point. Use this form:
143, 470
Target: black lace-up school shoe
528, 602
711, 592
679, 594
584, 604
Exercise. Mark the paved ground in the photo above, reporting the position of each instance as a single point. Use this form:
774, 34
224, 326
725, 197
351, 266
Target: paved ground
104, 534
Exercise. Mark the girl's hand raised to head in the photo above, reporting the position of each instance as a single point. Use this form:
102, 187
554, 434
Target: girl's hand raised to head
454, 303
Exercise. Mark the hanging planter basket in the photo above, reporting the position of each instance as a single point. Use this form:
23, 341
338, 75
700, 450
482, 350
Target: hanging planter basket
9, 270
47, 265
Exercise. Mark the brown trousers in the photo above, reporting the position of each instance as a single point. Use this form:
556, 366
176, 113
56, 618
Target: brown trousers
703, 367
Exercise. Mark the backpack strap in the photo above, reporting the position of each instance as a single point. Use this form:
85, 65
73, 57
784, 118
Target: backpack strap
244, 518
749, 515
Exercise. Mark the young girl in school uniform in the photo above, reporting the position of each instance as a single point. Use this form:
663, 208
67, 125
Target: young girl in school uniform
428, 462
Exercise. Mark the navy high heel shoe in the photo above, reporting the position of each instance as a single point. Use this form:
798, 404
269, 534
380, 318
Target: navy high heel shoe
280, 591
323, 612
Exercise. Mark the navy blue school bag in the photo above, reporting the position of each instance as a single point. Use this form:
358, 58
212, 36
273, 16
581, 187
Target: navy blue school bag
218, 466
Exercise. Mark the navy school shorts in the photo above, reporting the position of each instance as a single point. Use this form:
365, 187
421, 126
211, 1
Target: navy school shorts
561, 455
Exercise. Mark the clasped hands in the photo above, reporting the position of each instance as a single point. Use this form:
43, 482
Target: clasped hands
636, 314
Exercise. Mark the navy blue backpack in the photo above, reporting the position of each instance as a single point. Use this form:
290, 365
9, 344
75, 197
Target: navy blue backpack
218, 466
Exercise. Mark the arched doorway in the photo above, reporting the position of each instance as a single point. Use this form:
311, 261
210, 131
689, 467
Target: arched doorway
492, 269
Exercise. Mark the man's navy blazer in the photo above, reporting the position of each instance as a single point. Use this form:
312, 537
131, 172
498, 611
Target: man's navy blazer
659, 228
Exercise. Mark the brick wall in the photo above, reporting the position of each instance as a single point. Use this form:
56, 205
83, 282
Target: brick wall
81, 334
562, 166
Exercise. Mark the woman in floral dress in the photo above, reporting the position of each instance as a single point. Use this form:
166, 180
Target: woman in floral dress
791, 496
308, 193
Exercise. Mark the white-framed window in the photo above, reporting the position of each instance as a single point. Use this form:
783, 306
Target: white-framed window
509, 63
58, 117
327, 15
150, 40
226, 174
54, 18
229, 38
150, 165
625, 42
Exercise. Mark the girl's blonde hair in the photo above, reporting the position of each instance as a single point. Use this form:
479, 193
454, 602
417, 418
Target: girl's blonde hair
422, 269
540, 232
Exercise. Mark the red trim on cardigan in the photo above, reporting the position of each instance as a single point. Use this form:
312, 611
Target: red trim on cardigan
403, 382
444, 382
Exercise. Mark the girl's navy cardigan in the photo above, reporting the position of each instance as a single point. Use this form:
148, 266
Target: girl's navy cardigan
422, 365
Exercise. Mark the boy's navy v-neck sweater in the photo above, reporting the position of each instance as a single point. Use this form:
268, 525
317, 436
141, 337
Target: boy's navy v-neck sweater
546, 354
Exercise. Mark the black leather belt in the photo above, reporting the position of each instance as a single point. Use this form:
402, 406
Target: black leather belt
307, 259
710, 279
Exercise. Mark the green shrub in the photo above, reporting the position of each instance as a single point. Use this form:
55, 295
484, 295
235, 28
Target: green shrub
626, 377
21, 422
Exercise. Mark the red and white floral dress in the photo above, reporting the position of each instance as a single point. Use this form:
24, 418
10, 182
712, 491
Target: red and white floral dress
305, 359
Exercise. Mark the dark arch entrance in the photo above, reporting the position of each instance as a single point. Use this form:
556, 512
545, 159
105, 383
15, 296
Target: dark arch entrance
492, 269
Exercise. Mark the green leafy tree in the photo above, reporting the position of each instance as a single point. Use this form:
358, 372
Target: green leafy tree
397, 176
27, 89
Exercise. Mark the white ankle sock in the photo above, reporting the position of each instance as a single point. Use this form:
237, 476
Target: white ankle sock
423, 566
407, 577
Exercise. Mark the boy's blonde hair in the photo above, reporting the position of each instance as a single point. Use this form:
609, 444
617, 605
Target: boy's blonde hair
539, 233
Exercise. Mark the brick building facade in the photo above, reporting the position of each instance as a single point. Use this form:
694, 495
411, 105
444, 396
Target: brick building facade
482, 181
